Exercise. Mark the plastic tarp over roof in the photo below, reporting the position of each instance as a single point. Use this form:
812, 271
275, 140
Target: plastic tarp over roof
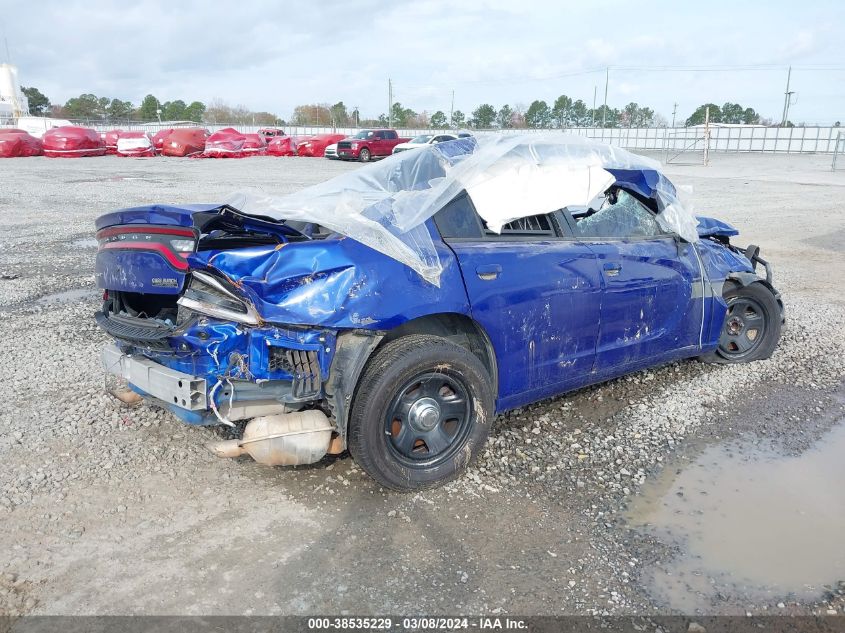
385, 205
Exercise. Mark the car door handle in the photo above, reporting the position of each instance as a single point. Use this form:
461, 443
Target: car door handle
612, 269
488, 272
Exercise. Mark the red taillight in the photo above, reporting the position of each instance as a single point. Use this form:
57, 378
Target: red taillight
175, 260
151, 230
172, 243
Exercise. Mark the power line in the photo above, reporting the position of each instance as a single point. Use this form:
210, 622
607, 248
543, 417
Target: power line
656, 69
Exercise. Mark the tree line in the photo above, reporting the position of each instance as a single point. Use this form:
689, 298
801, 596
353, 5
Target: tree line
564, 112
90, 107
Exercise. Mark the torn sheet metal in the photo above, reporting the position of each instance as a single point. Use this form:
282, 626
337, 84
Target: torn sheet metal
385, 205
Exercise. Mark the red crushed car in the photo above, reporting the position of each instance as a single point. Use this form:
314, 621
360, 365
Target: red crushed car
254, 145
134, 143
283, 146
225, 143
159, 138
315, 146
269, 133
15, 143
110, 140
186, 141
70, 141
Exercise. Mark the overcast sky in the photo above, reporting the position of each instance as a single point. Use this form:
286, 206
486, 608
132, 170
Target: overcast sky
273, 56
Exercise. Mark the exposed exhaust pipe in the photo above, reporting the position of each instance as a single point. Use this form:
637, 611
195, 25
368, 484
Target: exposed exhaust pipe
287, 439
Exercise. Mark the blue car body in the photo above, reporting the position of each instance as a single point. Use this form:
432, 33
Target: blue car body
553, 311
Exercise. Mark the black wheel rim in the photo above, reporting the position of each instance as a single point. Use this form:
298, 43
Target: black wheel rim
428, 419
744, 329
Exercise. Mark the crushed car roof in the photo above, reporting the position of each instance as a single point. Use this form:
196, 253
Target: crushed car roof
385, 205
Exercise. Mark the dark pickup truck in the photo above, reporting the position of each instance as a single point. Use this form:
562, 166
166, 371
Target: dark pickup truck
368, 144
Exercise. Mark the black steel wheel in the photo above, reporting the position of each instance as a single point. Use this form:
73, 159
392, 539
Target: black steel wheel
752, 325
421, 412
428, 418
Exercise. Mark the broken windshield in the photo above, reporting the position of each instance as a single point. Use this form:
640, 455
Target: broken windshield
385, 205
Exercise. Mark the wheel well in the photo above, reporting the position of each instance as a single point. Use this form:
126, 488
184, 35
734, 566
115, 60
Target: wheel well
458, 328
742, 279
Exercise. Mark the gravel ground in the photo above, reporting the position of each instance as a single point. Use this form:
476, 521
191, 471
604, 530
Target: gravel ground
96, 495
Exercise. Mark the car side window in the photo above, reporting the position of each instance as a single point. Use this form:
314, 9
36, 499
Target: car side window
533, 225
458, 219
620, 216
390, 135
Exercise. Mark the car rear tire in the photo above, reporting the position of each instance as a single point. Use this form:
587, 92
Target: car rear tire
421, 413
752, 326
364, 155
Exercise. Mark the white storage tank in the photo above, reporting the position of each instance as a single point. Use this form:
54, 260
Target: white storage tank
10, 93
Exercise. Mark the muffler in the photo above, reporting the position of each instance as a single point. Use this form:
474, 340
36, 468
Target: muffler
285, 439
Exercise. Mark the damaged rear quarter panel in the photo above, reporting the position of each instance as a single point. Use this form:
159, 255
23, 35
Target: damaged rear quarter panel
337, 283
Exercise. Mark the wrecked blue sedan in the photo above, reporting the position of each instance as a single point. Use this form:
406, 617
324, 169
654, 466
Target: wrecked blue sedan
395, 310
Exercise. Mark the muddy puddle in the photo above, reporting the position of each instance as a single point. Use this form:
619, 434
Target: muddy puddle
750, 520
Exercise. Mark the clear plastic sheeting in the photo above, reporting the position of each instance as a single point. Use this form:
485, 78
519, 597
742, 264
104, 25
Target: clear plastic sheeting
385, 205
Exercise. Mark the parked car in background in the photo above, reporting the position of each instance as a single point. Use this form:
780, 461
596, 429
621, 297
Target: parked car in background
331, 152
422, 140
269, 133
368, 144
404, 351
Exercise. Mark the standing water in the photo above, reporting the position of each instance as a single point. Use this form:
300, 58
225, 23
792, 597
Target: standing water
770, 524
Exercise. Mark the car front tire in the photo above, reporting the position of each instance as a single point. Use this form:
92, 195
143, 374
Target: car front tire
364, 156
752, 326
421, 413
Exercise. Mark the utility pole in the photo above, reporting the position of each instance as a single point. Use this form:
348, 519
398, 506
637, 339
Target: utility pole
452, 108
389, 103
674, 110
786, 96
604, 110
593, 113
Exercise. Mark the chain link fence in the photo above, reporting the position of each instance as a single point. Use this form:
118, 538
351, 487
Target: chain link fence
680, 140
